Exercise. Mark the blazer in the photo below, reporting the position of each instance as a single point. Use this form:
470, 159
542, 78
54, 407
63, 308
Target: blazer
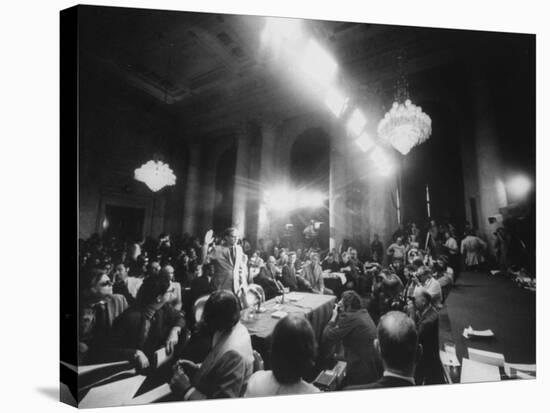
227, 272
429, 368
356, 331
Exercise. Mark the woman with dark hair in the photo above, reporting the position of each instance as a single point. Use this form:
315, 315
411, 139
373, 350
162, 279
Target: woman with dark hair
148, 325
293, 352
227, 367
98, 309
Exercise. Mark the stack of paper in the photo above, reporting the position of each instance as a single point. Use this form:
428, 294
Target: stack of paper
117, 393
470, 332
279, 314
293, 296
150, 396
474, 372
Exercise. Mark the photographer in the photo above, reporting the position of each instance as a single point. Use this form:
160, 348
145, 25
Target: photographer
353, 327
386, 290
424, 279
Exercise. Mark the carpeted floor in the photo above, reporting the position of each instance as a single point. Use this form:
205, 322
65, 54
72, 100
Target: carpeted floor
496, 303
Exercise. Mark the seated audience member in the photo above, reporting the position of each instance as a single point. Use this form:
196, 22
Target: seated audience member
153, 268
125, 285
99, 307
429, 370
353, 327
313, 275
227, 367
288, 273
175, 296
330, 264
293, 352
267, 278
397, 344
149, 324
255, 263
425, 279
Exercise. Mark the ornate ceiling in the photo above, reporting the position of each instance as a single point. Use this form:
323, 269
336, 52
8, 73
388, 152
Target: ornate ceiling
209, 68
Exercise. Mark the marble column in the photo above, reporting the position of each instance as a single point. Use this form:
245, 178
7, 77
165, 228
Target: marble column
191, 191
267, 178
487, 155
338, 187
240, 191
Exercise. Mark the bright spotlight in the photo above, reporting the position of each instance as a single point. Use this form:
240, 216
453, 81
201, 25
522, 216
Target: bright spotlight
316, 63
382, 162
278, 199
356, 123
365, 142
277, 29
336, 101
316, 199
519, 186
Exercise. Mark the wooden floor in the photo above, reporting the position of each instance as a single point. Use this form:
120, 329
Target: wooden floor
496, 303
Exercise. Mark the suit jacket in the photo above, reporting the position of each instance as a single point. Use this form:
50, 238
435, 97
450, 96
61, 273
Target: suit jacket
128, 330
227, 271
266, 279
289, 277
429, 368
314, 275
357, 332
383, 382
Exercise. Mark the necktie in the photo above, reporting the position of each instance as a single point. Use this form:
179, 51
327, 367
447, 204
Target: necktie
232, 252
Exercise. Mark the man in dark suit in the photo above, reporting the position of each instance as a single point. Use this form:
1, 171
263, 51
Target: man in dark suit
397, 344
353, 327
429, 370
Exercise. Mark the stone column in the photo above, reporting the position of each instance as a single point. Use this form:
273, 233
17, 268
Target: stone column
267, 178
487, 155
338, 186
191, 191
241, 186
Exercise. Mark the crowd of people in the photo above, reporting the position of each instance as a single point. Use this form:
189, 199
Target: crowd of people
139, 297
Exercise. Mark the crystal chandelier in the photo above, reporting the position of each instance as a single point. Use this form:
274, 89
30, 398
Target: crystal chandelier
404, 125
155, 174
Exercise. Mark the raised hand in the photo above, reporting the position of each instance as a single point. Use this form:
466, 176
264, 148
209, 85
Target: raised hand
209, 237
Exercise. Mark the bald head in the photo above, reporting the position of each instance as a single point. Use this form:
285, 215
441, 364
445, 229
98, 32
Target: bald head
398, 341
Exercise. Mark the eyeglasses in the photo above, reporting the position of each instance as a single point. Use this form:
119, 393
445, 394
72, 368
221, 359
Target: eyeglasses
105, 283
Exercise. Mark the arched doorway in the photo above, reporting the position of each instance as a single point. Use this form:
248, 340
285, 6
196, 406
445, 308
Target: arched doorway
309, 172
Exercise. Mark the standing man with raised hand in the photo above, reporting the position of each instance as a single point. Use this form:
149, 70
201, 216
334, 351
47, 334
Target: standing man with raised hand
229, 261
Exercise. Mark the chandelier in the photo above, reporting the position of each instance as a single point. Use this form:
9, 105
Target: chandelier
404, 125
155, 174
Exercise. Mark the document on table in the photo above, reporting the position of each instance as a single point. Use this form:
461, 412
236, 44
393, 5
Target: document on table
293, 296
161, 356
151, 396
92, 367
475, 372
117, 393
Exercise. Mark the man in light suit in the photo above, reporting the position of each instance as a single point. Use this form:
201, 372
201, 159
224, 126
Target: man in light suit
228, 260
